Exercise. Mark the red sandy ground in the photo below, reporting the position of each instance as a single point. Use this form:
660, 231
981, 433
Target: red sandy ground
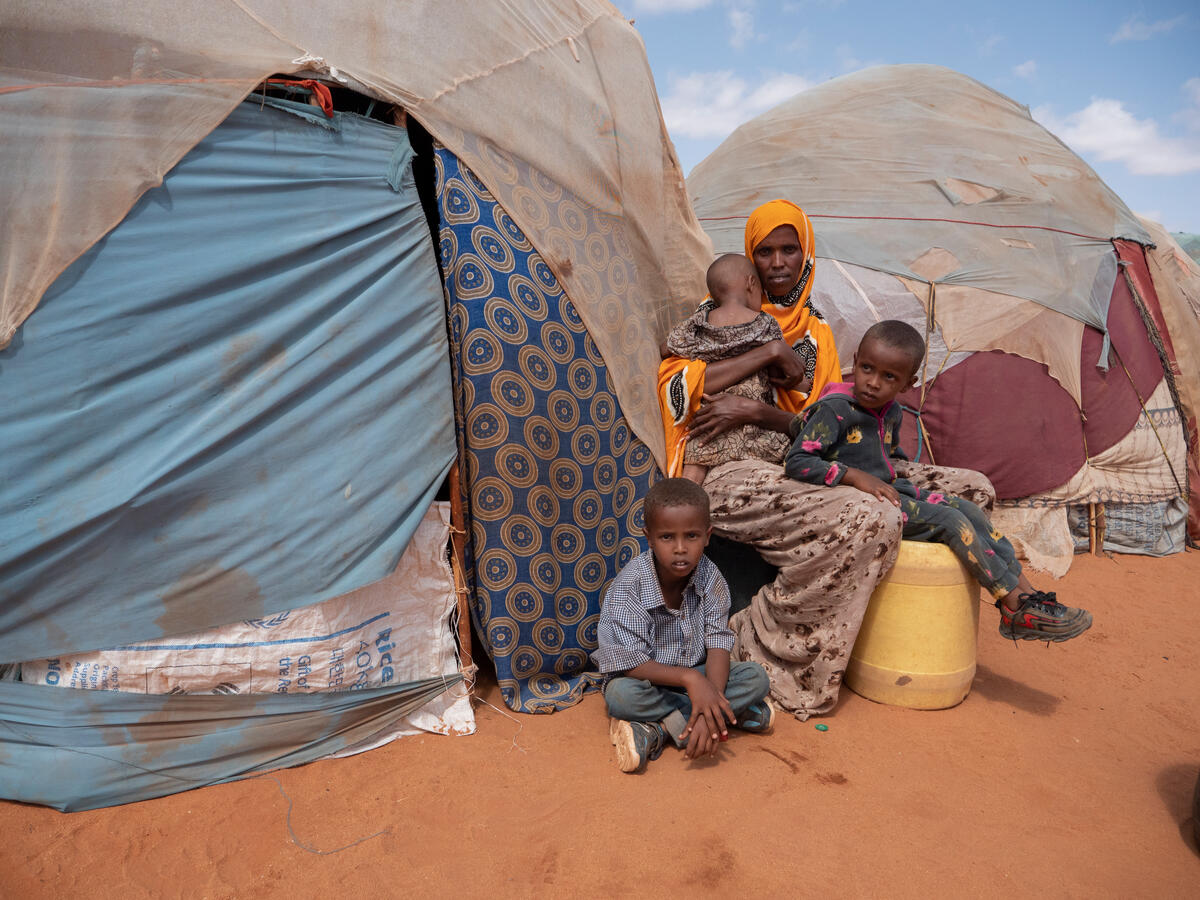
1067, 772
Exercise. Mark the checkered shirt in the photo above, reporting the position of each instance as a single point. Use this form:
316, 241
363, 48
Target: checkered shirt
636, 626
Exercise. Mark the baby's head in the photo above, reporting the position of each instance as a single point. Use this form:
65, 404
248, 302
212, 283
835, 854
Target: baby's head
886, 362
677, 526
733, 281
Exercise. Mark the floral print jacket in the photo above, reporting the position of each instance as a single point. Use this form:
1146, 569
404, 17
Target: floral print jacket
835, 433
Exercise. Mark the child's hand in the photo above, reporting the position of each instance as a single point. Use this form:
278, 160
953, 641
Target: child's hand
700, 743
869, 484
710, 711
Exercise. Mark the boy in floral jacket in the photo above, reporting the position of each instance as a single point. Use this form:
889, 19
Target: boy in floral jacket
849, 438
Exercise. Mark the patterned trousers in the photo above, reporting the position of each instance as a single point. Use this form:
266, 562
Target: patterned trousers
831, 546
964, 528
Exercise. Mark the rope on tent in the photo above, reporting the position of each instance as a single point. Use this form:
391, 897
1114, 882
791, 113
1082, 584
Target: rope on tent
1164, 359
1153, 427
1090, 237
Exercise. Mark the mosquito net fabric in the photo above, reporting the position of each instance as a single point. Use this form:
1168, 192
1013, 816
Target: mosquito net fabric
101, 100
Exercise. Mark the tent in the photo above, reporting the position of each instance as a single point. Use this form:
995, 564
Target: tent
240, 370
1188, 243
1062, 353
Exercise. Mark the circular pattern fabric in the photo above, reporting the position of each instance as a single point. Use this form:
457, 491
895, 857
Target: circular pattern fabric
554, 471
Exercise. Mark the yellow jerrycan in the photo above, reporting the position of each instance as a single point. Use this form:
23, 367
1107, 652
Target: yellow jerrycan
919, 639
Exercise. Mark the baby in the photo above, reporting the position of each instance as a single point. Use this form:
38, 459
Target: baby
850, 436
726, 325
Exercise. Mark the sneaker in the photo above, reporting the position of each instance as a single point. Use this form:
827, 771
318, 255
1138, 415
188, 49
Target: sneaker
1042, 618
758, 718
637, 743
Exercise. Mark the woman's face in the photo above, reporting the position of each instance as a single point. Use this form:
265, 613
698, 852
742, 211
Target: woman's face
779, 259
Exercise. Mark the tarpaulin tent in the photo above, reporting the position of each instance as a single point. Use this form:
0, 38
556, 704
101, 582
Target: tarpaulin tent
226, 340
936, 199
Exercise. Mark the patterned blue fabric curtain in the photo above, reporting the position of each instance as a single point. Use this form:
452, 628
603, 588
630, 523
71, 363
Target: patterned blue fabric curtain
553, 473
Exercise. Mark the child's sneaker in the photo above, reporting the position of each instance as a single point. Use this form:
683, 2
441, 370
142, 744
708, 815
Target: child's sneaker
1042, 618
758, 717
636, 743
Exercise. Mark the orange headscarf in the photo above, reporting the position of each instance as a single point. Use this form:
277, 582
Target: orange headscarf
681, 381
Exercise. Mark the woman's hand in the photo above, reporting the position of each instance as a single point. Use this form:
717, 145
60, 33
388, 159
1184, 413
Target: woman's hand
721, 413
777, 358
804, 385
786, 369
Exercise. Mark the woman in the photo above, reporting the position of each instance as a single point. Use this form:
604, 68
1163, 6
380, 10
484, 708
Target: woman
831, 546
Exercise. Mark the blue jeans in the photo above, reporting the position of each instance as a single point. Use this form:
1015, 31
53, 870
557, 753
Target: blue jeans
637, 700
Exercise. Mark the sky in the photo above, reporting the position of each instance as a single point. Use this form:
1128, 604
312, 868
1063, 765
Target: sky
1119, 83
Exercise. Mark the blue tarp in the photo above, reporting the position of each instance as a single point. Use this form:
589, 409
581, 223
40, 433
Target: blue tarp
235, 404
85, 749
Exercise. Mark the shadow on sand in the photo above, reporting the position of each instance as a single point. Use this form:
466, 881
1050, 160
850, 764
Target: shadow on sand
1002, 689
1177, 786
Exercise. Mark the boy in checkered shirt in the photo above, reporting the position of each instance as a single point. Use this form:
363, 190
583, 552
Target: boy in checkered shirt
664, 631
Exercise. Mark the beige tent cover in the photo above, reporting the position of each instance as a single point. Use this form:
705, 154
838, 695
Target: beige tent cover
100, 100
928, 174
1176, 279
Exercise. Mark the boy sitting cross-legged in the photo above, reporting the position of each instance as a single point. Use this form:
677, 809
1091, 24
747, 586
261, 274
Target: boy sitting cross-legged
850, 436
664, 629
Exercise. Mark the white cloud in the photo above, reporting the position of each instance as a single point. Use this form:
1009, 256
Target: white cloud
989, 45
739, 14
650, 7
712, 104
1106, 130
848, 62
1189, 116
1135, 29
795, 6
1026, 69
741, 25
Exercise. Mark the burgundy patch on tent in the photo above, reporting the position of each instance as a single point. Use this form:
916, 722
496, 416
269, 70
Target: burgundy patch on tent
1003, 415
1136, 266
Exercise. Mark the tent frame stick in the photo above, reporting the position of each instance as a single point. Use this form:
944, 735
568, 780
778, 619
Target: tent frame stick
928, 443
1099, 551
929, 324
458, 539
1095, 516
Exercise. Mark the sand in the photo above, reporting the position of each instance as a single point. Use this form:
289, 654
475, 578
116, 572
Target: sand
1067, 772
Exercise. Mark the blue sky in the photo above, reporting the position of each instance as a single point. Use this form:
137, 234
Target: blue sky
1118, 82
